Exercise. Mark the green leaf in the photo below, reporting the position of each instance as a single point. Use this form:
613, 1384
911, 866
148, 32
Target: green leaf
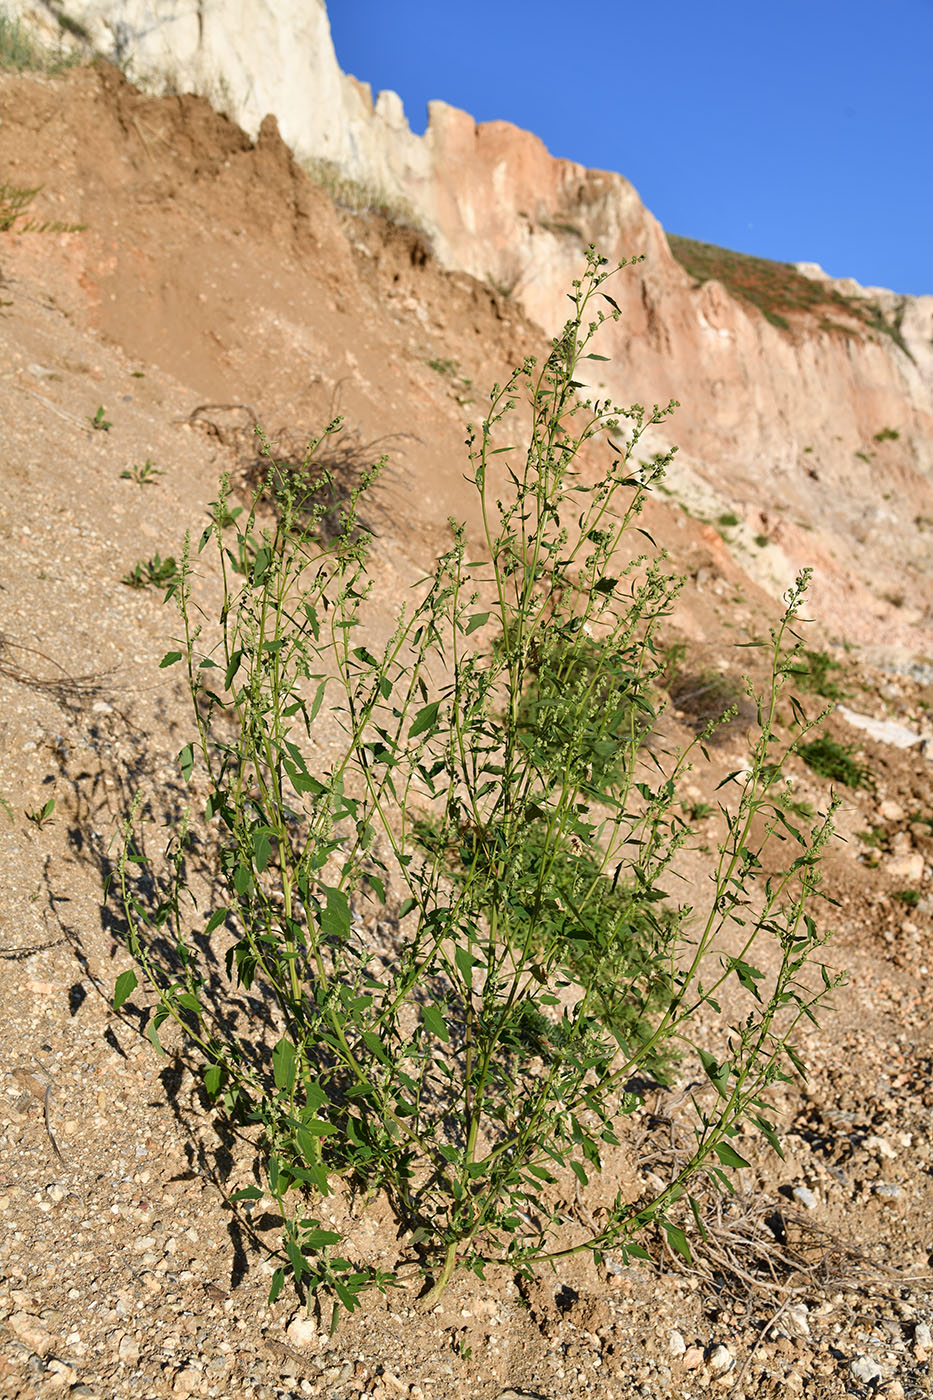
283, 1064
435, 1023
465, 963
278, 1283
335, 918
768, 1132
716, 1072
152, 1031
126, 984
186, 762
728, 1155
477, 620
169, 659
215, 920
424, 719
262, 846
579, 1173
320, 1239
378, 887
677, 1240
248, 1193
232, 667
213, 1078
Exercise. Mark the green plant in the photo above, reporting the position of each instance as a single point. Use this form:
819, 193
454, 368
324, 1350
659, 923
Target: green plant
153, 573
729, 518
360, 196
762, 541
887, 435
829, 759
41, 815
864, 457
14, 205
477, 1064
143, 475
909, 897
99, 422
814, 674
20, 50
699, 811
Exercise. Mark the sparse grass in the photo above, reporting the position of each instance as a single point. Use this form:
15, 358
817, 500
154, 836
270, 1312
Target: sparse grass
887, 435
21, 51
784, 296
830, 759
359, 196
814, 673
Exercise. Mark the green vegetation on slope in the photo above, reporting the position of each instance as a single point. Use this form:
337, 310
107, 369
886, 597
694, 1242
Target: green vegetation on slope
781, 293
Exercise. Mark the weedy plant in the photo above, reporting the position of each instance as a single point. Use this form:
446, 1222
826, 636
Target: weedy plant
830, 759
480, 1064
143, 473
99, 420
153, 573
41, 816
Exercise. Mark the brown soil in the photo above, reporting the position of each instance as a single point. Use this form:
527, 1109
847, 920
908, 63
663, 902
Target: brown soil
212, 274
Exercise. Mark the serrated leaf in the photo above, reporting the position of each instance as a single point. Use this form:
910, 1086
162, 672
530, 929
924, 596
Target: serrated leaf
126, 984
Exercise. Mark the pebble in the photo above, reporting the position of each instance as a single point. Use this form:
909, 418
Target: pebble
692, 1358
301, 1330
31, 1332
923, 1337
128, 1350
805, 1197
676, 1344
865, 1370
721, 1360
888, 1189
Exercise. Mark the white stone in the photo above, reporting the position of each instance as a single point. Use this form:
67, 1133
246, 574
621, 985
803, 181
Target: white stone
721, 1360
302, 1330
865, 1370
676, 1344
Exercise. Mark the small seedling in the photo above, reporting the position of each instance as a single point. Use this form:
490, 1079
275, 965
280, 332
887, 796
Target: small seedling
99, 422
762, 541
699, 811
909, 897
729, 518
153, 573
41, 815
143, 475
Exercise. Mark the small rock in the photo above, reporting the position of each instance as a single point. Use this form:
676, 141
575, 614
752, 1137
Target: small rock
908, 868
100, 707
301, 1330
31, 1333
128, 1350
720, 1360
56, 1192
676, 1344
881, 1146
889, 1190
891, 811
893, 1391
805, 1197
865, 1370
692, 1358
798, 1320
186, 1382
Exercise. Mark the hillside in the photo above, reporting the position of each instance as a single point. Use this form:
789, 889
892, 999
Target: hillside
213, 284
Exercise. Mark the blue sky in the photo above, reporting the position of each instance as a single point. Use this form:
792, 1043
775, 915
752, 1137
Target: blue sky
798, 131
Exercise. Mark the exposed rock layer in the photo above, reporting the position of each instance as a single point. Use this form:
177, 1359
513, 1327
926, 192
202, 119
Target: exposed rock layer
778, 424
